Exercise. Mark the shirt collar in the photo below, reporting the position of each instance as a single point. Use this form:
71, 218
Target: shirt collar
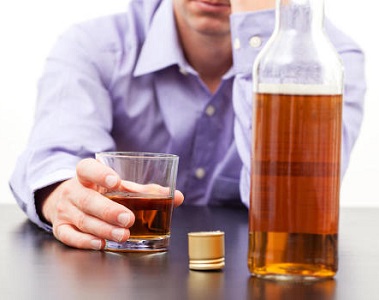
161, 48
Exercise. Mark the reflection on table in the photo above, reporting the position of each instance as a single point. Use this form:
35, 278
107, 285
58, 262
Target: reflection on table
36, 266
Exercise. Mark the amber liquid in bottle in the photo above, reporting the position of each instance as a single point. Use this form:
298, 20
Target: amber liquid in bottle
295, 182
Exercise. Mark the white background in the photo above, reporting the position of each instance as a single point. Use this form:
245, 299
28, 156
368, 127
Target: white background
28, 29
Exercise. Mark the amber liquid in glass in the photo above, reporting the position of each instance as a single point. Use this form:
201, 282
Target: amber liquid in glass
152, 213
295, 182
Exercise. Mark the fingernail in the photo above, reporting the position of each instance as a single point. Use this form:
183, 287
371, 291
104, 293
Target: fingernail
118, 234
123, 219
111, 180
96, 244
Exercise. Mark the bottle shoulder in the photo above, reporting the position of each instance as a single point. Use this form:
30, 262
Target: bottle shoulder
292, 59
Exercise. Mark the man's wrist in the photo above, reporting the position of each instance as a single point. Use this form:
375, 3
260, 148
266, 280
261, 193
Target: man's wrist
41, 196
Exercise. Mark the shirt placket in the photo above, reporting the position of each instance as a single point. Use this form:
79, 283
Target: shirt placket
205, 153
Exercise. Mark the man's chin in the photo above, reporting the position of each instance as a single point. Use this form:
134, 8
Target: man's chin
212, 26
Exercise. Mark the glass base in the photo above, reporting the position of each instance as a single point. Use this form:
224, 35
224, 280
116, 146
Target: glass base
139, 245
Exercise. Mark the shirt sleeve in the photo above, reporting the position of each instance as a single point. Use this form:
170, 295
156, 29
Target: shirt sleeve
250, 32
73, 118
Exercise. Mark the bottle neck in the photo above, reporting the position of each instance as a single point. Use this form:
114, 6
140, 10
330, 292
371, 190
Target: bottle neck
300, 15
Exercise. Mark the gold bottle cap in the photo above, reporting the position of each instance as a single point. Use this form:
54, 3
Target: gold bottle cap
206, 250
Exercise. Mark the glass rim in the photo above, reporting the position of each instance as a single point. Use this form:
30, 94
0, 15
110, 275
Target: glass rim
136, 154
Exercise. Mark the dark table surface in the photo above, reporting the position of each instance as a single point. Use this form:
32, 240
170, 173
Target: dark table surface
33, 265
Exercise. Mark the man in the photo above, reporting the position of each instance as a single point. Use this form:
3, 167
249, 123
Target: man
168, 76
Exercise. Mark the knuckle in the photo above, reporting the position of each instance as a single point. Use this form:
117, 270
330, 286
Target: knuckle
59, 233
61, 209
56, 232
62, 233
104, 232
106, 213
81, 222
62, 202
85, 199
65, 191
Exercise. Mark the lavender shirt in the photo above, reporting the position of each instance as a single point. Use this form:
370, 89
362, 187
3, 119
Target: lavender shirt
122, 83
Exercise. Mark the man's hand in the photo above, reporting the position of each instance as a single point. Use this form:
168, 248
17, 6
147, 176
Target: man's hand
81, 216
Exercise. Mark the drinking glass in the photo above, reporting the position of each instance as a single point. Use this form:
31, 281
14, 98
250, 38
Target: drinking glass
148, 182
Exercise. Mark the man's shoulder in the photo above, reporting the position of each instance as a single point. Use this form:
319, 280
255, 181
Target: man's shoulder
106, 30
341, 40
120, 29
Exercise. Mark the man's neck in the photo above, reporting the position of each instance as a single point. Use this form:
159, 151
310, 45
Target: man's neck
210, 56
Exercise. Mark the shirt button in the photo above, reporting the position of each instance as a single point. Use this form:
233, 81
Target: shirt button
199, 173
237, 44
183, 71
210, 110
255, 42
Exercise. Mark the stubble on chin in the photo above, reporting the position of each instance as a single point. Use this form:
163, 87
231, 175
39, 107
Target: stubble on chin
190, 17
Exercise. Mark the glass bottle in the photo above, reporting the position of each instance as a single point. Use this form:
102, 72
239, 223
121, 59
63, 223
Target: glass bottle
296, 148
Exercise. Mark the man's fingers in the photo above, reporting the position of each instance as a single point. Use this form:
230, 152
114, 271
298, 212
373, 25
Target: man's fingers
90, 171
178, 198
70, 236
151, 189
93, 203
76, 221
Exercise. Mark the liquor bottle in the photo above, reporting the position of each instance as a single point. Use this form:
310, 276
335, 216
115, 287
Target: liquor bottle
296, 148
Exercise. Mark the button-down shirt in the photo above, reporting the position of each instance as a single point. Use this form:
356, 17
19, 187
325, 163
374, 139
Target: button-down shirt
122, 83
